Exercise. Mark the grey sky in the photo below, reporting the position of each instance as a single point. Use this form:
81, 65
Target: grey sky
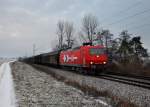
27, 22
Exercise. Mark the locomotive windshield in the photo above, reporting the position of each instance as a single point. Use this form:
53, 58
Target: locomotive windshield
97, 51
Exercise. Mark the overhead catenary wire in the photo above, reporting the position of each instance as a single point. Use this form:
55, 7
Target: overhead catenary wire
137, 27
131, 16
125, 10
134, 22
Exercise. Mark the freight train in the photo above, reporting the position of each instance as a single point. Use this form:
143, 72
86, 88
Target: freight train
86, 58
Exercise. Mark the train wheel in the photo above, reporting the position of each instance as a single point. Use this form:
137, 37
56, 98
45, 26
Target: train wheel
85, 72
81, 70
96, 72
77, 69
73, 68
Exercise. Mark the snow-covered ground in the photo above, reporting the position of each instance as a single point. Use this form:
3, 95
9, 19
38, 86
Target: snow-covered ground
33, 88
37, 89
7, 93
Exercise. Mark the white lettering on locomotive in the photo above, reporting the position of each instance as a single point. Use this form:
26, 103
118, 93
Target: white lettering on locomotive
66, 58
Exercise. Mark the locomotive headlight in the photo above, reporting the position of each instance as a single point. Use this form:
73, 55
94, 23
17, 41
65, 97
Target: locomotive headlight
104, 62
91, 62
97, 56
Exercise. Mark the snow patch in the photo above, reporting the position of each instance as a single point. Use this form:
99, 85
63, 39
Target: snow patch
7, 93
102, 102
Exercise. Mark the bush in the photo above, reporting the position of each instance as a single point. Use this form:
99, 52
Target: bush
132, 67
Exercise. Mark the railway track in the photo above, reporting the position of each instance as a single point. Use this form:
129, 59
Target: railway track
140, 81
144, 83
136, 81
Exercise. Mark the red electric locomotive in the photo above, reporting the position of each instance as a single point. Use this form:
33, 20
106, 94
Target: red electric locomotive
89, 58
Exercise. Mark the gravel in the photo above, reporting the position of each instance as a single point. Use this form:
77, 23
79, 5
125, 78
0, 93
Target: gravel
137, 95
38, 89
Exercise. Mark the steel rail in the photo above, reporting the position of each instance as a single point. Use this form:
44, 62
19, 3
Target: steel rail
127, 80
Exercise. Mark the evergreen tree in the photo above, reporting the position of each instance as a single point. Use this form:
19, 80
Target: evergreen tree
137, 47
125, 49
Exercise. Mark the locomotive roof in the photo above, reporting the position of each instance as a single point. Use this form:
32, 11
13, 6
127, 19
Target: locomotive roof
88, 46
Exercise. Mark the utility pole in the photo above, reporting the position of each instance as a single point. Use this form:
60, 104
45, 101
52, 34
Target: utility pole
34, 46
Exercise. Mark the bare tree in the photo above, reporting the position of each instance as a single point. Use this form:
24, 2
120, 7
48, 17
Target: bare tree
69, 30
107, 38
82, 37
89, 26
60, 33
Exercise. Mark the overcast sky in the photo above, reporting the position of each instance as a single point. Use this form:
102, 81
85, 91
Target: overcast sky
27, 22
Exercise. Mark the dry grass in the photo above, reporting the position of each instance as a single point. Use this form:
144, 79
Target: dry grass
130, 69
146, 70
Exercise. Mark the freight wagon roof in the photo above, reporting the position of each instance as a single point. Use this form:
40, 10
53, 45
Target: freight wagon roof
50, 53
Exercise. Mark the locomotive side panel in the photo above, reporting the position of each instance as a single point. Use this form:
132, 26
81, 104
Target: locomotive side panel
71, 58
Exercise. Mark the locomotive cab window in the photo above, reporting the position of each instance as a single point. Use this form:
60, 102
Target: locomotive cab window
97, 51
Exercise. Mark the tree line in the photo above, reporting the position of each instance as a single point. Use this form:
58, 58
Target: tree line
125, 48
